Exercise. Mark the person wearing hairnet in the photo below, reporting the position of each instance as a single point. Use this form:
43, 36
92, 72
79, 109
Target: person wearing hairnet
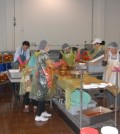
112, 61
42, 81
68, 54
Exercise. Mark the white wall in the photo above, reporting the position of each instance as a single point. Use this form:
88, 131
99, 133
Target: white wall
98, 18
58, 21
112, 21
2, 26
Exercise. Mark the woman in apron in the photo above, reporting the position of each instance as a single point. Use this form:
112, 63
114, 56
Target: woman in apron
68, 54
21, 57
98, 49
112, 60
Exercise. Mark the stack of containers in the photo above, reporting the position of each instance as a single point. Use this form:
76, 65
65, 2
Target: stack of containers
75, 102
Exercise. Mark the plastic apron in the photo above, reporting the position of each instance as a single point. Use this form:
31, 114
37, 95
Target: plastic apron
69, 58
39, 88
23, 58
109, 75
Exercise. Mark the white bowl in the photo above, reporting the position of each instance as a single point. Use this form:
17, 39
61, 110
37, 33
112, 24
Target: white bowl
109, 130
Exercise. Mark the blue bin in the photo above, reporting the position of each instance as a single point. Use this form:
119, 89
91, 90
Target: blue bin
75, 98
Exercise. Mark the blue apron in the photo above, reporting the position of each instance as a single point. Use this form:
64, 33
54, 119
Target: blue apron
23, 58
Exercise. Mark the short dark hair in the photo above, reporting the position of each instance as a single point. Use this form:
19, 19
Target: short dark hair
103, 42
26, 43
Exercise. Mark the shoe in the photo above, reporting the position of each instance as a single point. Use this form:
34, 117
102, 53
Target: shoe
112, 107
45, 114
26, 110
41, 118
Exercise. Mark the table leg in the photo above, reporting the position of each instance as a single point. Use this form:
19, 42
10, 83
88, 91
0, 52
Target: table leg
16, 97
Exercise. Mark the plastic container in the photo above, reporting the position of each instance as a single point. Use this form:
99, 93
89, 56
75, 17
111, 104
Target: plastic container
109, 130
88, 130
92, 104
14, 73
74, 109
75, 97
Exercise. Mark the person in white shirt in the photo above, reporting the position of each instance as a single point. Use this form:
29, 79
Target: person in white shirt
21, 58
22, 55
112, 61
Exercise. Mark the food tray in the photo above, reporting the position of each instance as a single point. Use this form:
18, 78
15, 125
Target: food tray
97, 114
14, 73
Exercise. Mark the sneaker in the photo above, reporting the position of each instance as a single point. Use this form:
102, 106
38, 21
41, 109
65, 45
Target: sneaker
41, 118
45, 114
26, 110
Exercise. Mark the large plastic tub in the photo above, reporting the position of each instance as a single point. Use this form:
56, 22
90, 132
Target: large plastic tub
75, 109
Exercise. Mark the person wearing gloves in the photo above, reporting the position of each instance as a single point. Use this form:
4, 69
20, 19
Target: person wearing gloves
42, 80
98, 49
111, 62
22, 55
25, 83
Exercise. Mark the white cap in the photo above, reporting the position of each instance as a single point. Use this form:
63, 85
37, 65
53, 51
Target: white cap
109, 130
97, 40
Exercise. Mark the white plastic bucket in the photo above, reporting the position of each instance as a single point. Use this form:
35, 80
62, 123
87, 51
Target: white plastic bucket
109, 130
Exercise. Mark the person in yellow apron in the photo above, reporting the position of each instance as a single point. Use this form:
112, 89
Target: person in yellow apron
111, 60
68, 54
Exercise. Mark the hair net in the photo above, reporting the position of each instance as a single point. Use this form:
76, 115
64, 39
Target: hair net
113, 45
65, 46
42, 44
